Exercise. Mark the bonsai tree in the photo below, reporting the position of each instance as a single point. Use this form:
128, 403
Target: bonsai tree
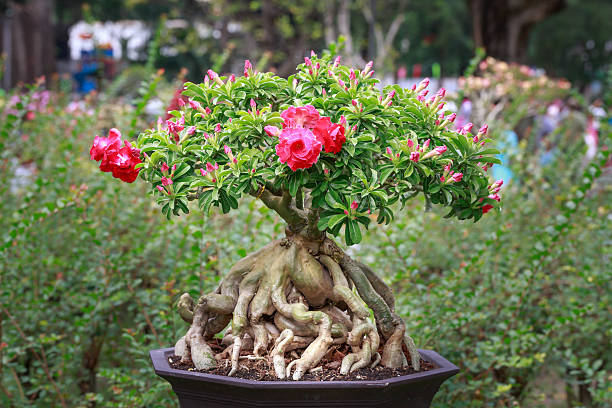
330, 153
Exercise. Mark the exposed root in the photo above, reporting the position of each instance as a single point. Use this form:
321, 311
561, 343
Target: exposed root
298, 298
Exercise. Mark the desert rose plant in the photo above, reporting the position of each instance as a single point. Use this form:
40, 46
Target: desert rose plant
330, 153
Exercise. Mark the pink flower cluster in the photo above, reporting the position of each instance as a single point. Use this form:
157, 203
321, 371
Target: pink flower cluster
303, 136
121, 161
421, 152
493, 195
450, 176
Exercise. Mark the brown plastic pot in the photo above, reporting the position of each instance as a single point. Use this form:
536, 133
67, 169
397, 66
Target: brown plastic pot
199, 390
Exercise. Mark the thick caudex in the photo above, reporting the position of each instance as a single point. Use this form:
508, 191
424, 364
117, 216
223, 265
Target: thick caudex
292, 300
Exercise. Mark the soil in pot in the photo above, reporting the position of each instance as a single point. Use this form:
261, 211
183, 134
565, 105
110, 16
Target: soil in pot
261, 369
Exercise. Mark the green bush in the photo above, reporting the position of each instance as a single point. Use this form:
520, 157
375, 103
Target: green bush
89, 273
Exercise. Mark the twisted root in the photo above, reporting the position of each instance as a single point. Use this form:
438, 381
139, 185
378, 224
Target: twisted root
289, 297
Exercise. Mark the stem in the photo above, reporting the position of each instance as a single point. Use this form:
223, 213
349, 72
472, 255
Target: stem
296, 219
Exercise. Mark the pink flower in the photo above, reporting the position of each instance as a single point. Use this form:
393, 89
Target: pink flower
181, 102
352, 75
486, 208
494, 196
175, 127
426, 144
272, 131
164, 167
298, 147
368, 67
122, 162
410, 143
191, 130
422, 85
435, 152
330, 134
207, 110
452, 117
232, 78
497, 183
253, 104
227, 149
218, 127
203, 172
300, 117
161, 189
307, 62
456, 177
212, 74
337, 61
346, 212
390, 152
194, 104
173, 168
483, 130
210, 168
247, 68
166, 181
414, 156
441, 93
354, 205
103, 144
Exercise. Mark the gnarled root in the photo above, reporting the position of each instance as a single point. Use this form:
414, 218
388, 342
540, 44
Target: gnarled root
291, 299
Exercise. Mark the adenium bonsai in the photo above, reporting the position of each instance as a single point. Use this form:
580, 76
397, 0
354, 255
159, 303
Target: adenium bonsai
330, 153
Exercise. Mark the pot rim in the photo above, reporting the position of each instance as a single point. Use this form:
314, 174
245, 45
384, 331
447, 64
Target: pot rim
444, 369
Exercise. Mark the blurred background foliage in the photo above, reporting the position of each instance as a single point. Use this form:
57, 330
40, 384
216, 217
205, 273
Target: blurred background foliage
90, 270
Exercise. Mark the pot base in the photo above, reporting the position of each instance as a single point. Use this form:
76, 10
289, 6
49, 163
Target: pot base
201, 390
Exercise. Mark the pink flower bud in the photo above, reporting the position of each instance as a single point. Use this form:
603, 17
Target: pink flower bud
181, 102
161, 189
164, 167
173, 168
232, 78
210, 168
247, 68
346, 212
468, 127
207, 110
410, 143
194, 104
354, 102
326, 171
336, 61
307, 62
494, 196
440, 150
341, 83
441, 93
426, 144
312, 54
486, 208
253, 104
483, 130
191, 130
368, 67
317, 66
253, 171
216, 166
218, 127
166, 181
389, 151
422, 85
343, 120
498, 183
414, 156
452, 117
440, 106
456, 177
354, 205
272, 131
212, 74
203, 172
227, 149
391, 94
352, 75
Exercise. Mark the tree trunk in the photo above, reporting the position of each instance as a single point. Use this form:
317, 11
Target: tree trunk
28, 42
502, 27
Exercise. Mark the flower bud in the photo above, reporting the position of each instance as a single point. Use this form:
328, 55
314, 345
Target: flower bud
354, 205
232, 78
164, 167
307, 62
194, 104
336, 61
368, 67
422, 85
248, 68
414, 156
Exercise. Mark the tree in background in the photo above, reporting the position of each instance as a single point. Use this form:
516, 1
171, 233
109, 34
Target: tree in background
502, 27
582, 49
